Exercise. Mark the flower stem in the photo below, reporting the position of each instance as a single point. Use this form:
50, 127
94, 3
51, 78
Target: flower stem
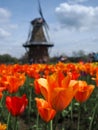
37, 122
30, 99
51, 125
79, 112
15, 123
72, 111
92, 119
8, 121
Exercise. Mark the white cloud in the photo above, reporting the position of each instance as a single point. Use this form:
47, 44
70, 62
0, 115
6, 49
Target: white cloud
4, 15
6, 27
3, 33
7, 33
12, 26
77, 16
77, 1
69, 41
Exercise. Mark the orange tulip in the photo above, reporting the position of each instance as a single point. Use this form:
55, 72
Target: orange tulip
33, 70
58, 90
84, 91
37, 87
1, 90
13, 82
45, 110
3, 126
1, 95
96, 78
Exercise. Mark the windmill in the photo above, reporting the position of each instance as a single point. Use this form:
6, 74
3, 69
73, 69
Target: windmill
38, 44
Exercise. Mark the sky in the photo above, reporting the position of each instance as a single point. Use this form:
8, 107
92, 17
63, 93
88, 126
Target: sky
73, 25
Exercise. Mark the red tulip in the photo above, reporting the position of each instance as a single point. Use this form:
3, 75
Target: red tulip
16, 105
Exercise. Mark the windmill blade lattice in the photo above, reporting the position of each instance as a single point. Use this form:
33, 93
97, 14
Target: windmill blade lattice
41, 14
47, 32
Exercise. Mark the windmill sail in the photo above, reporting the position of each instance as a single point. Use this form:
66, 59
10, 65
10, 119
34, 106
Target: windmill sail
46, 26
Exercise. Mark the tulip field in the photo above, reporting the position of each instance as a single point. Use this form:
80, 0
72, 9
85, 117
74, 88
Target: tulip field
61, 96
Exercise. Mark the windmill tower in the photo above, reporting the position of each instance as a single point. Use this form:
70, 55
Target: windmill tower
37, 45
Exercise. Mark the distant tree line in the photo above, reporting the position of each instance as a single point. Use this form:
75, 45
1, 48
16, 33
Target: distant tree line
8, 59
76, 57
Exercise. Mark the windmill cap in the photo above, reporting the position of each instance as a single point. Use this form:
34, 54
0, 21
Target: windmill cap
37, 20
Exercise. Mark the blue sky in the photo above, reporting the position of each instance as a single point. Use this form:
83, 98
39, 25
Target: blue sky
73, 25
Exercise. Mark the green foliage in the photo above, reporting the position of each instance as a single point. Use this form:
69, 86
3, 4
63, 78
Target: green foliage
7, 59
